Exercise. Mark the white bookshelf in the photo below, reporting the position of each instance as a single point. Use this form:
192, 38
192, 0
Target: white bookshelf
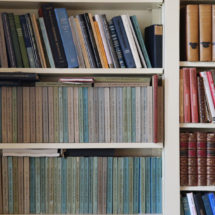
197, 64
198, 188
197, 125
148, 12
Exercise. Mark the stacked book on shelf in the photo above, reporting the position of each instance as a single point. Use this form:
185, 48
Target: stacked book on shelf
57, 40
197, 96
198, 203
114, 110
197, 32
81, 185
197, 159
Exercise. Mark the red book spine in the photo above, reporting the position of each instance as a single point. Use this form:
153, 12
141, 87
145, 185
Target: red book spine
211, 85
155, 107
186, 82
193, 95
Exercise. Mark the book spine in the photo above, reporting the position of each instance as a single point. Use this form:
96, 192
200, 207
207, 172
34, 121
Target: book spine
205, 32
8, 39
147, 179
20, 185
26, 185
60, 113
56, 115
42, 185
14, 114
192, 32
138, 111
110, 185
32, 106
45, 115
86, 185
54, 37
70, 98
90, 187
95, 185
153, 184
51, 114
65, 114
130, 184
211, 85
207, 206
66, 36
32, 175
125, 186
15, 185
133, 114
212, 202
101, 109
80, 114
63, 186
136, 185
37, 185
213, 32
181, 95
85, 116
76, 110
155, 108
115, 186
91, 115
107, 113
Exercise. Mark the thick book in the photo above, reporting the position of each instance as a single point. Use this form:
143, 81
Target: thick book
123, 41
192, 32
205, 31
66, 36
199, 204
154, 44
54, 36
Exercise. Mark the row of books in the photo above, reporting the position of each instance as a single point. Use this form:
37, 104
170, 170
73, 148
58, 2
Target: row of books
197, 158
197, 96
194, 203
81, 185
197, 32
61, 114
85, 41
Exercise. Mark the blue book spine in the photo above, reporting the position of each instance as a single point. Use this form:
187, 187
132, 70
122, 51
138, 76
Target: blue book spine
142, 186
81, 200
116, 44
95, 185
66, 36
212, 202
42, 185
153, 185
85, 115
63, 186
74, 183
10, 184
90, 185
123, 41
32, 186
159, 185
0, 116
110, 186
207, 205
65, 115
133, 114
186, 206
86, 185
125, 187
147, 184
60, 94
27, 41
136, 184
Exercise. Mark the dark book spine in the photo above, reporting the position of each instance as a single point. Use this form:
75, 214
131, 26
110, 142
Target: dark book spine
154, 40
87, 41
110, 42
192, 160
8, 39
116, 44
92, 40
33, 41
15, 41
210, 159
201, 158
199, 204
123, 41
54, 36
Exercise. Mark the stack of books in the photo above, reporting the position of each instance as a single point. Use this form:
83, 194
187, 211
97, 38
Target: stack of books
198, 203
54, 112
81, 185
197, 159
197, 96
198, 32
84, 41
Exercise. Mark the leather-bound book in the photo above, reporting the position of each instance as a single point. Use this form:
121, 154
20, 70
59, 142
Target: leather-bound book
192, 32
210, 159
181, 97
205, 31
201, 101
213, 32
201, 157
184, 158
192, 159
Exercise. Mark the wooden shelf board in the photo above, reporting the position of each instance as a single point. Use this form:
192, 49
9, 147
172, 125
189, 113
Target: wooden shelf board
197, 188
197, 125
81, 145
197, 64
55, 71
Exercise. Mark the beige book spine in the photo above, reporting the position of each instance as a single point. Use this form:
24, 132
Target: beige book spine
26, 115
32, 111
51, 113
9, 115
38, 41
14, 107
26, 186
76, 114
39, 115
4, 116
56, 116
83, 47
71, 115
20, 185
138, 110
107, 114
5, 185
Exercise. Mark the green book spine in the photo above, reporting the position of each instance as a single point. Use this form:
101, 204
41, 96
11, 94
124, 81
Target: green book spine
10, 185
125, 186
37, 184
55, 184
77, 203
153, 185
21, 42
51, 185
143, 114
120, 185
95, 185
124, 111
142, 185
56, 115
69, 185
74, 173
15, 186
32, 186
58, 170
147, 182
133, 114
42, 186
15, 40
60, 91
115, 186
129, 113
14, 106
86, 185
90, 185
63, 186
81, 188
47, 185
130, 184
80, 114
65, 114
